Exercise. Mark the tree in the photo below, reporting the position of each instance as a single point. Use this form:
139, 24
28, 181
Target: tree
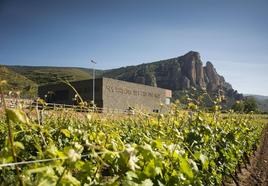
250, 105
238, 106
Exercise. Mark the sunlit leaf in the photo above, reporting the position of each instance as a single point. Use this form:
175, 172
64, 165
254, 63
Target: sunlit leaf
186, 168
66, 132
17, 116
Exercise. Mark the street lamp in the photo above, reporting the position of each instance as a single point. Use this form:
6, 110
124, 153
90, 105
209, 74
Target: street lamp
93, 82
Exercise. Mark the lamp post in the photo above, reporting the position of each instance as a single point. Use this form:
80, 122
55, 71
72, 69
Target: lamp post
93, 82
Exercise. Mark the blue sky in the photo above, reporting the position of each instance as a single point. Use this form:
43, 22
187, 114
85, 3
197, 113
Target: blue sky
232, 34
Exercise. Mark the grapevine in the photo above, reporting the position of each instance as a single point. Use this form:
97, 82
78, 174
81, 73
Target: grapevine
176, 148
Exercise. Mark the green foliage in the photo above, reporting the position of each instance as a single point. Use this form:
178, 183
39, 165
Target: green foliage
247, 105
263, 105
178, 148
238, 106
250, 105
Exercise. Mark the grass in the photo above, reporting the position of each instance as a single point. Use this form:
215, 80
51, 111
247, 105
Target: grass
17, 82
44, 75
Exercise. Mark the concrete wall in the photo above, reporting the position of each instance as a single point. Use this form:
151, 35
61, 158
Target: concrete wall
122, 95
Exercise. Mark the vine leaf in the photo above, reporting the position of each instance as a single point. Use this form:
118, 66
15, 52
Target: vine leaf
185, 167
17, 116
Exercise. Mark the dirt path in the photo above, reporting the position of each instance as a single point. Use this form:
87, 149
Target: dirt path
257, 173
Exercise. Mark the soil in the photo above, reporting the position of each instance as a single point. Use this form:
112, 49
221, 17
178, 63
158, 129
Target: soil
256, 174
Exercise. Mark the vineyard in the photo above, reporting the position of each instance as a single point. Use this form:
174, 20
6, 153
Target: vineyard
177, 148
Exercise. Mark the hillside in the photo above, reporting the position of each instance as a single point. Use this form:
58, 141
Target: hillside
43, 75
257, 97
262, 101
17, 82
263, 105
178, 74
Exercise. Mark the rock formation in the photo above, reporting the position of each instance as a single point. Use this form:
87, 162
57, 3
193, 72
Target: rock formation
176, 74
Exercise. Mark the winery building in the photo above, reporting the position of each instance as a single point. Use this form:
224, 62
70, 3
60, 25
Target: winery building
109, 94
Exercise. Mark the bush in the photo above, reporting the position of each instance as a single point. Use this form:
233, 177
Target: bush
247, 105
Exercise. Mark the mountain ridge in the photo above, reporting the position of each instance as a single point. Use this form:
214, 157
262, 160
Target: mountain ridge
177, 74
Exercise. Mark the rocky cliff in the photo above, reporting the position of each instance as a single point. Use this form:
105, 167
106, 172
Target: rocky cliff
180, 73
